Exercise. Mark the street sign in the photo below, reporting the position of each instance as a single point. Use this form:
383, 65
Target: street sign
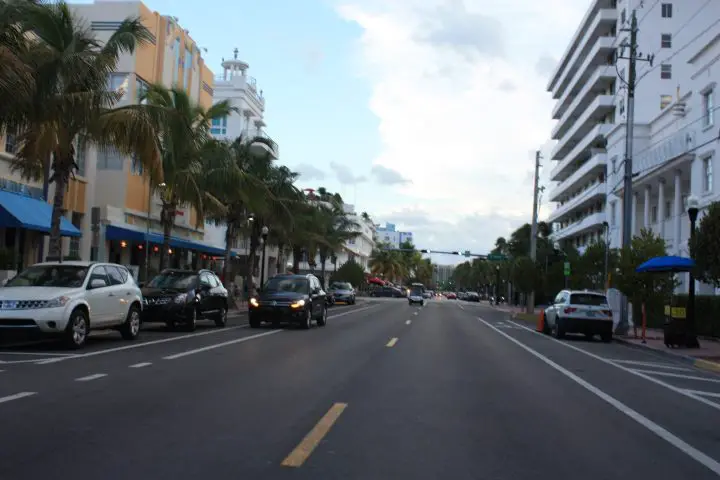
467, 253
496, 257
566, 269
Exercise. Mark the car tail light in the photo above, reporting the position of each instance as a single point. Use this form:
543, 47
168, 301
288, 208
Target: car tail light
570, 309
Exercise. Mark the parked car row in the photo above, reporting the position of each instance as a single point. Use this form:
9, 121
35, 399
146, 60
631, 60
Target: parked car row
70, 299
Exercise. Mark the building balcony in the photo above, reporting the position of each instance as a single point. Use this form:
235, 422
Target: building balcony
596, 163
594, 139
583, 200
261, 148
575, 128
588, 223
583, 89
598, 40
243, 82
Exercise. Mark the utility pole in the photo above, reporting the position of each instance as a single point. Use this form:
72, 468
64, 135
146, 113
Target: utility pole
534, 227
632, 59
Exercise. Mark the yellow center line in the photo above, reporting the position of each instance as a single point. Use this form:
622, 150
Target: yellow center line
305, 448
392, 342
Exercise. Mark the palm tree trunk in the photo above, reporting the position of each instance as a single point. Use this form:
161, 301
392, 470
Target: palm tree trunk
229, 242
279, 260
297, 257
323, 258
167, 219
61, 179
252, 254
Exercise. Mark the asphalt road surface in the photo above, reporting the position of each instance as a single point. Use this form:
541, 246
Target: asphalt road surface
386, 391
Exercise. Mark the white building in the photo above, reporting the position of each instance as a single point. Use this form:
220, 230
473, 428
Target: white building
591, 106
390, 235
443, 274
235, 85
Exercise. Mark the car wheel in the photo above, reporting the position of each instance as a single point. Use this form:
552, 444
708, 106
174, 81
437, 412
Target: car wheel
77, 329
254, 323
322, 321
222, 317
307, 321
170, 324
191, 322
557, 328
130, 330
606, 337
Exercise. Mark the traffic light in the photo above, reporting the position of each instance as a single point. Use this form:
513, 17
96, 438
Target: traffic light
424, 250
456, 253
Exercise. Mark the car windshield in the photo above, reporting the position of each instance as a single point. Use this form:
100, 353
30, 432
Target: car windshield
174, 280
68, 276
295, 285
341, 286
587, 299
416, 291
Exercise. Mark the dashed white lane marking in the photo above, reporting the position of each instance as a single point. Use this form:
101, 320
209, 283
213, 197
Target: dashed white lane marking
649, 378
408, 322
679, 375
415, 313
17, 396
673, 440
39, 354
652, 364
91, 377
141, 365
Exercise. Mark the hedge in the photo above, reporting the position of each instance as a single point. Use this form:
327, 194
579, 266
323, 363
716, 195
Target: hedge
707, 314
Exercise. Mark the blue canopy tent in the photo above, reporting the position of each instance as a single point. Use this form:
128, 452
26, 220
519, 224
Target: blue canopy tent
675, 334
669, 264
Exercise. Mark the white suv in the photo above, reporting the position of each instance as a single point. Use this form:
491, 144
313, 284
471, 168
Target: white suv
72, 298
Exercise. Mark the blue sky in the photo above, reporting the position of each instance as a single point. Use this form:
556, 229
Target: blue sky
431, 110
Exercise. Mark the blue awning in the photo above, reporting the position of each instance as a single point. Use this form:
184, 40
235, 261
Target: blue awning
19, 211
115, 232
668, 264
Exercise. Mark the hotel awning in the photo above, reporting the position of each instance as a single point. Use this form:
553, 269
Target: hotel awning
20, 211
117, 232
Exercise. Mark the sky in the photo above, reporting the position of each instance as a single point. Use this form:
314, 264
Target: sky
423, 113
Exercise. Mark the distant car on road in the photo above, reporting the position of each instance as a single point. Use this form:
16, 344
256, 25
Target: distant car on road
177, 296
71, 299
388, 292
579, 311
294, 299
416, 295
341, 292
450, 296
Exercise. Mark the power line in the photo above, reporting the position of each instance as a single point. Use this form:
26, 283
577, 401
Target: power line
648, 11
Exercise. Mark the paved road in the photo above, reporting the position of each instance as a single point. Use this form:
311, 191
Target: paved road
385, 391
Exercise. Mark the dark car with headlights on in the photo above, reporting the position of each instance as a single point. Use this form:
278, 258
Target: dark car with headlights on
184, 297
294, 299
341, 292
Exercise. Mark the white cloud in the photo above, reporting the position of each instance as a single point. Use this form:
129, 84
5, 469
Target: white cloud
460, 104
309, 172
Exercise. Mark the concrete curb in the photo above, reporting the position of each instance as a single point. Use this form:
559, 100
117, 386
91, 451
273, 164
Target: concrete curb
695, 362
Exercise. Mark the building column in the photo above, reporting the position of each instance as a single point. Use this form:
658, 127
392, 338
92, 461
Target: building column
633, 216
646, 208
661, 208
677, 212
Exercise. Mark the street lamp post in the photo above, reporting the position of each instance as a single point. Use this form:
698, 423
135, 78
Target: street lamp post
691, 340
497, 285
607, 254
264, 233
147, 230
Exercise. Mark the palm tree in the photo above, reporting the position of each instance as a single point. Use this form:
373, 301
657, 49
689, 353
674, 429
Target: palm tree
68, 96
185, 148
333, 228
388, 263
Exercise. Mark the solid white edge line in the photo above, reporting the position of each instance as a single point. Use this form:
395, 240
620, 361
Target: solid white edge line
654, 380
17, 396
664, 434
91, 377
707, 394
678, 375
652, 364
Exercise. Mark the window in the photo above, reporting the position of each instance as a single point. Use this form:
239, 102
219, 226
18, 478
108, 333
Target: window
654, 214
666, 40
74, 252
623, 17
708, 174
708, 108
136, 167
665, 100
666, 72
666, 10
115, 275
176, 64
187, 67
10, 141
621, 106
109, 159
668, 210
219, 126
613, 217
351, 241
118, 82
141, 87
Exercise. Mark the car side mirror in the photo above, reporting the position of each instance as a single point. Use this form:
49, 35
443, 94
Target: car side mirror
316, 290
97, 283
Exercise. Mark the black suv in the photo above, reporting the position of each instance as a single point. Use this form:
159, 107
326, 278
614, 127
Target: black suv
296, 299
185, 296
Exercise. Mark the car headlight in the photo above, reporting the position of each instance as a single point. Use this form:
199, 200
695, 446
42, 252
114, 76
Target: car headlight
181, 298
57, 302
254, 302
298, 304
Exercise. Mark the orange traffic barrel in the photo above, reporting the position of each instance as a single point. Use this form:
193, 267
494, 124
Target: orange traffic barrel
541, 321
